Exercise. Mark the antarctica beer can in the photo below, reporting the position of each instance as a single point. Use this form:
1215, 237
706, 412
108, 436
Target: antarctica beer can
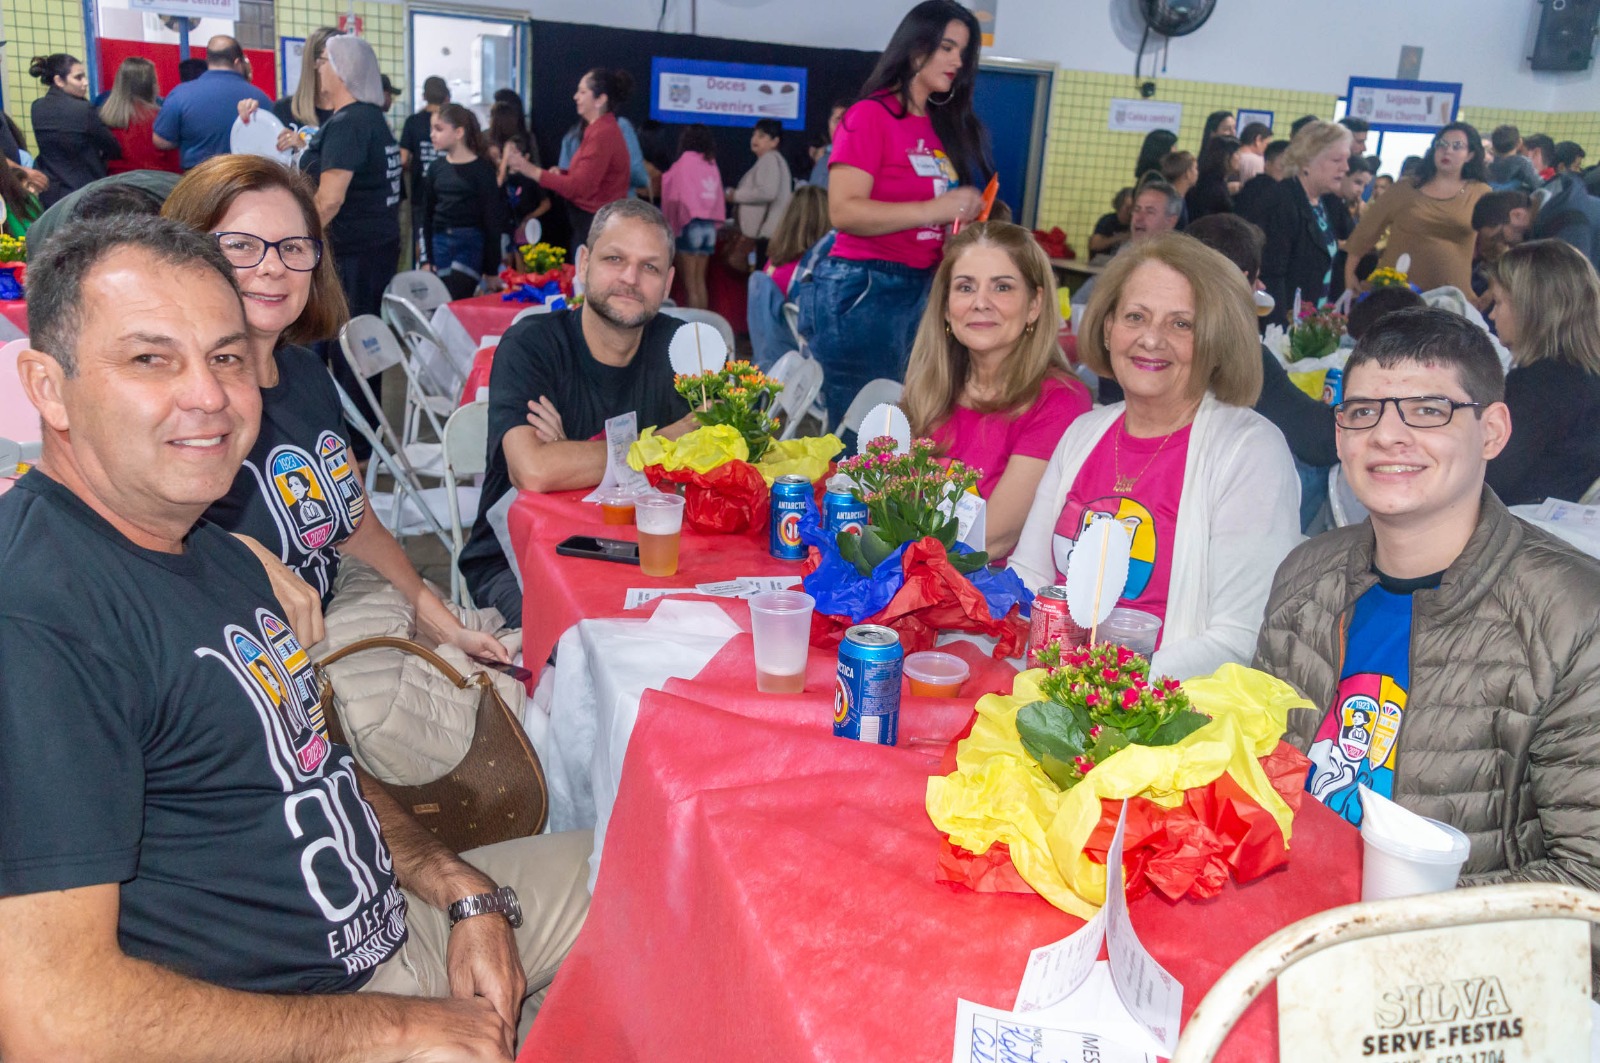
866, 694
789, 494
841, 511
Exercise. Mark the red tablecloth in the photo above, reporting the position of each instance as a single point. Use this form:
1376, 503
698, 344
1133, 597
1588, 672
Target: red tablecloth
478, 375
486, 315
16, 312
767, 891
559, 591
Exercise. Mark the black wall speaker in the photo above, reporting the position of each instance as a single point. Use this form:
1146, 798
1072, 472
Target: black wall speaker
1566, 35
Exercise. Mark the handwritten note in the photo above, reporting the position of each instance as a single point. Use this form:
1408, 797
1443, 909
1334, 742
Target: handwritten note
1151, 995
990, 1035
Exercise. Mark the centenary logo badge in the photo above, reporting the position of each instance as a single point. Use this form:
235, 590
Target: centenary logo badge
299, 496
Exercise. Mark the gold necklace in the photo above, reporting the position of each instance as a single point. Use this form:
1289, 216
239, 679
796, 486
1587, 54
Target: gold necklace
1124, 484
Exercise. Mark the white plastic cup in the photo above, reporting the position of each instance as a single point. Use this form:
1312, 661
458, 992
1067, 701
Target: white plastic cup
660, 520
1133, 629
1393, 868
780, 624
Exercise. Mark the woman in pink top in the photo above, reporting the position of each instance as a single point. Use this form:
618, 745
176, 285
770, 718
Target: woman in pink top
899, 155
692, 199
598, 173
987, 378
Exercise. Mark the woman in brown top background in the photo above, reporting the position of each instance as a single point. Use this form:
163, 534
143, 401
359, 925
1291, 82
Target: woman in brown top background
1429, 216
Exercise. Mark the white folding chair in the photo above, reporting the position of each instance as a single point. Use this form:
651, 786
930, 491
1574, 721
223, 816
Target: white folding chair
1591, 496
875, 392
408, 509
441, 368
370, 348
421, 288
791, 317
801, 378
466, 454
534, 309
1343, 504
710, 317
1240, 984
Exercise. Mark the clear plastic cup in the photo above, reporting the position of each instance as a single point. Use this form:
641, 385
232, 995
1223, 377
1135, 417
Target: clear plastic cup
936, 675
780, 624
1392, 867
616, 507
1132, 628
660, 520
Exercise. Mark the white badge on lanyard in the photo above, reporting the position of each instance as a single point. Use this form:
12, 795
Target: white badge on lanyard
924, 165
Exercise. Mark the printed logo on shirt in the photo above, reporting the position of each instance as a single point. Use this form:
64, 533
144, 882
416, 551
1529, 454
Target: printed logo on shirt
299, 743
298, 495
1134, 518
346, 484
1355, 746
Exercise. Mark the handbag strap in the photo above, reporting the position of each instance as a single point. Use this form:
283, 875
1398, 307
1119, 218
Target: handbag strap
390, 642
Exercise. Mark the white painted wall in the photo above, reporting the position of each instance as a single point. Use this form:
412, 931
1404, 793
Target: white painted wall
1312, 45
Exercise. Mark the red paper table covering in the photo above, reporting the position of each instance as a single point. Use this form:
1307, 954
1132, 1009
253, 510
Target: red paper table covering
767, 892
486, 315
478, 375
16, 312
559, 591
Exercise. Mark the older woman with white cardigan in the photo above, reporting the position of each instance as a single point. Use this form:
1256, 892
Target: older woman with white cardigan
1204, 485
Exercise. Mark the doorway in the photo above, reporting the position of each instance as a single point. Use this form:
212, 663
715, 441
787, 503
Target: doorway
1013, 99
477, 55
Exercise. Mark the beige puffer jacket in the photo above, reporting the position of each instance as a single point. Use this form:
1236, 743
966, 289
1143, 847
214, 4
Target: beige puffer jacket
1501, 736
406, 722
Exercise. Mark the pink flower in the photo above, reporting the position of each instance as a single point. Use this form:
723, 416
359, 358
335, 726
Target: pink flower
1083, 764
1094, 732
1130, 698
1092, 700
1159, 695
1109, 674
1124, 655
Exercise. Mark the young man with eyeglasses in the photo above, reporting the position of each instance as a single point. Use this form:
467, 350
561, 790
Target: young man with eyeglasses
1450, 650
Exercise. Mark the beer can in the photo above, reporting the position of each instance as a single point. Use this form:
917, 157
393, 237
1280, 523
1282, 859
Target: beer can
866, 694
1333, 387
1051, 623
789, 494
841, 511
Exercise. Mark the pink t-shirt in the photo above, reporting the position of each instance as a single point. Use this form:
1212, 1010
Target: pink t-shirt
1149, 509
907, 162
691, 190
783, 275
987, 441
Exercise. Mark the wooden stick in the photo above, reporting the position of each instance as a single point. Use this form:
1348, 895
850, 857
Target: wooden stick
700, 360
1099, 581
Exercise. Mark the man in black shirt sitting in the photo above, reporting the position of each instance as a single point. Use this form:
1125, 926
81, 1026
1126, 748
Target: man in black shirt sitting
559, 377
189, 868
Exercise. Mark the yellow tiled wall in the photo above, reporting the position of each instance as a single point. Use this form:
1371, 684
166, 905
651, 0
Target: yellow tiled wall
1086, 163
383, 26
36, 27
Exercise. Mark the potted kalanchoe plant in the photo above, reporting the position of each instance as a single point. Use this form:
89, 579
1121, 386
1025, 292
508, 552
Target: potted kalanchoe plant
1316, 334
1097, 701
738, 395
909, 496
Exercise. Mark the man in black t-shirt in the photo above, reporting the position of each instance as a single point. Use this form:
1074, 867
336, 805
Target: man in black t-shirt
188, 863
558, 378
417, 151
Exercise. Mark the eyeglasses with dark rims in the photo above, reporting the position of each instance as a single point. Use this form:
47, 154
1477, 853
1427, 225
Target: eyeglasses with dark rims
246, 250
1417, 411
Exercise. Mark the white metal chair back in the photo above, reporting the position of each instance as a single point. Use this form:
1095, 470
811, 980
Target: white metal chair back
421, 288
466, 454
874, 392
791, 318
438, 368
369, 349
1240, 984
1591, 496
710, 317
1343, 504
407, 512
801, 378
532, 311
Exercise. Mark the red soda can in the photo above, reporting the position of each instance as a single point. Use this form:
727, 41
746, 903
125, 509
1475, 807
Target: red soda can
1052, 623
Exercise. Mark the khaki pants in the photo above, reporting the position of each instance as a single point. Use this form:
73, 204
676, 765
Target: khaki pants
550, 874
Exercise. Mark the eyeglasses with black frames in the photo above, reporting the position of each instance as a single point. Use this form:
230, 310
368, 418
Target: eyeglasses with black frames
1418, 411
245, 250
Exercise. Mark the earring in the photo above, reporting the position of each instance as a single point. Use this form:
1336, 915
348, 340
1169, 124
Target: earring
1029, 329
948, 96
947, 331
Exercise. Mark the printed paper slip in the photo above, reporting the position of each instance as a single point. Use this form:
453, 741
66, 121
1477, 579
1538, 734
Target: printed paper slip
621, 433
987, 1035
638, 596
1129, 998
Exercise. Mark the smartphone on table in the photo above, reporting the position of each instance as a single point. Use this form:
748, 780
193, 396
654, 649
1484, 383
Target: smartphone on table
619, 550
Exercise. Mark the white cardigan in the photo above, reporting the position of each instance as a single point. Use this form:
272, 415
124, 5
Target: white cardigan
1238, 517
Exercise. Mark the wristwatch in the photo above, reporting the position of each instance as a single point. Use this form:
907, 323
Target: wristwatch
502, 900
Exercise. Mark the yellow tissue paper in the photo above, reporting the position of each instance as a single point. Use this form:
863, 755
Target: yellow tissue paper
1310, 383
701, 450
807, 457
1000, 794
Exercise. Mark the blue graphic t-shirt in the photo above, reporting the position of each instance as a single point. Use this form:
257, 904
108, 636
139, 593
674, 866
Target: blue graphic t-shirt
1355, 746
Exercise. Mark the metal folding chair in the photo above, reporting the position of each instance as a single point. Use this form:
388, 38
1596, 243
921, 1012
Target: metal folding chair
466, 454
873, 393
407, 510
421, 288
710, 317
801, 378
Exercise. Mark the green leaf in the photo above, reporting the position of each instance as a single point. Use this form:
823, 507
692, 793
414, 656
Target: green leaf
1175, 728
1109, 741
969, 563
874, 548
1053, 735
850, 550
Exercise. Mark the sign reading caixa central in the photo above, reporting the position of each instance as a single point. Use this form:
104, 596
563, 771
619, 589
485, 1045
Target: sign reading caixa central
1496, 993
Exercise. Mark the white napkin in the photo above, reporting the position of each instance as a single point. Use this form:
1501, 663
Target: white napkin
1387, 819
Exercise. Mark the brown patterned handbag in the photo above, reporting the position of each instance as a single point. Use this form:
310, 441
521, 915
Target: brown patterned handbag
497, 792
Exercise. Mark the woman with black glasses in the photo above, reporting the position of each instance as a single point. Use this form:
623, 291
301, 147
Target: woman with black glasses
264, 218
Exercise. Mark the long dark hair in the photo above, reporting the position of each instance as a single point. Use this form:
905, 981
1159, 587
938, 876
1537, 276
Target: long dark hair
1473, 169
508, 126
19, 201
49, 67
698, 138
1213, 120
916, 40
1157, 143
1214, 157
615, 85
464, 120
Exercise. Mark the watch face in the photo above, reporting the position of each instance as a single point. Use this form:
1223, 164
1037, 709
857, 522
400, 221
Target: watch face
513, 908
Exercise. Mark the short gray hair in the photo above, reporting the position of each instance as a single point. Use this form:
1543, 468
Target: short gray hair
631, 210
1155, 184
56, 275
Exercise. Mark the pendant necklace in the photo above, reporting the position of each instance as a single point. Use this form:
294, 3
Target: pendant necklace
1124, 483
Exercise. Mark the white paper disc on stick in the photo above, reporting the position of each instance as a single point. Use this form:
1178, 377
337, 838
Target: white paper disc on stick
887, 419
1403, 264
1100, 559
696, 348
259, 136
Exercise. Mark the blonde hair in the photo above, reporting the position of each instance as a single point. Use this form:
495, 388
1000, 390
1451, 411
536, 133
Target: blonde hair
1313, 139
303, 105
1227, 348
940, 364
1556, 296
133, 93
804, 222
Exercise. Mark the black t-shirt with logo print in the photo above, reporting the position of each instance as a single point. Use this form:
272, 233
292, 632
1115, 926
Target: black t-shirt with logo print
299, 492
357, 138
162, 733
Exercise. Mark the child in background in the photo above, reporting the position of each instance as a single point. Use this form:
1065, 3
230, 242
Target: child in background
692, 200
463, 212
